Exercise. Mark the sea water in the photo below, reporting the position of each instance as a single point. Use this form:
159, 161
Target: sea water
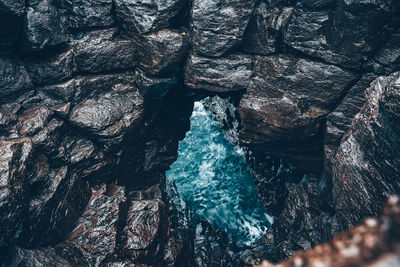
214, 179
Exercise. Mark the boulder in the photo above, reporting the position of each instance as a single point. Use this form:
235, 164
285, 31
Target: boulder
286, 102
143, 17
82, 14
367, 167
110, 115
62, 255
14, 157
15, 79
265, 29
162, 51
231, 73
51, 70
102, 51
143, 223
218, 25
44, 26
345, 36
96, 230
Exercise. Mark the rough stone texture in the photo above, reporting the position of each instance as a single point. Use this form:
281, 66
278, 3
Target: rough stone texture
287, 99
44, 26
265, 29
108, 116
59, 256
218, 75
162, 51
344, 36
367, 165
142, 17
142, 226
96, 230
387, 58
88, 13
210, 247
93, 93
50, 70
218, 25
339, 120
102, 51
14, 156
374, 243
14, 79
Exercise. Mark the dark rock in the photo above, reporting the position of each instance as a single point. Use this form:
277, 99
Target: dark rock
140, 18
14, 156
14, 79
33, 120
179, 247
101, 51
302, 223
77, 149
343, 37
286, 101
59, 93
141, 229
218, 25
56, 217
210, 247
95, 233
374, 243
265, 29
387, 57
44, 184
44, 26
11, 21
110, 115
50, 70
154, 87
367, 166
218, 75
59, 256
359, 28
161, 51
88, 13
339, 120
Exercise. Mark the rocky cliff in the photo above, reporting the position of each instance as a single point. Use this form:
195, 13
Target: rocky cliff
95, 95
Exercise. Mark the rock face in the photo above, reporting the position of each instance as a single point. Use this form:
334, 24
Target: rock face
86, 14
374, 243
96, 230
219, 75
287, 100
366, 163
218, 25
140, 17
95, 96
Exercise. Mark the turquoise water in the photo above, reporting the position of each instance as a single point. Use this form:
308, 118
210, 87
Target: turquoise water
214, 179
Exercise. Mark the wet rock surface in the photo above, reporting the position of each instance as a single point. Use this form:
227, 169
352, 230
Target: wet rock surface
287, 100
95, 96
359, 168
374, 243
219, 75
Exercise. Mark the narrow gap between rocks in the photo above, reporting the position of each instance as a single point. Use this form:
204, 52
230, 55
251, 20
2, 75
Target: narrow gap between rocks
214, 179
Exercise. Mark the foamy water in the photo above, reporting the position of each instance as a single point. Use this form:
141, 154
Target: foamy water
214, 179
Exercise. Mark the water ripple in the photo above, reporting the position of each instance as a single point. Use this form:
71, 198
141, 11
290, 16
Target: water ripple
214, 179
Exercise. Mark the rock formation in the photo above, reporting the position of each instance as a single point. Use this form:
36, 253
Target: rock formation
95, 96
